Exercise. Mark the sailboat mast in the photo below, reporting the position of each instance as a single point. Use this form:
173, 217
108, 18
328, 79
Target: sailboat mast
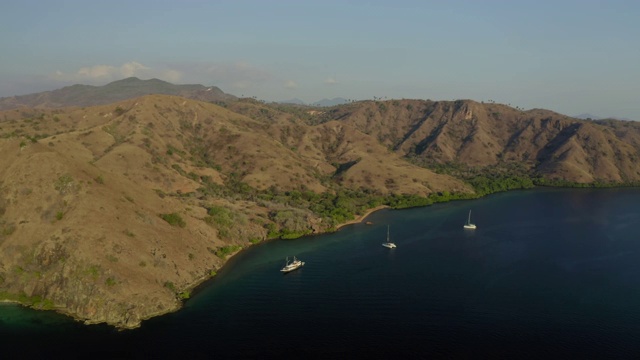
387, 233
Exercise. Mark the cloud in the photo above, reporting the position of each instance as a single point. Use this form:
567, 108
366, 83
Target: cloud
290, 84
330, 81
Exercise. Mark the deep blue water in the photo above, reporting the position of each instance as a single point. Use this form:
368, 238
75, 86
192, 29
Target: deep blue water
548, 273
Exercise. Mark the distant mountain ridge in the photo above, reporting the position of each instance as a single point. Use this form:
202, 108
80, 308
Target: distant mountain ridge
294, 101
477, 135
322, 103
88, 95
593, 117
331, 102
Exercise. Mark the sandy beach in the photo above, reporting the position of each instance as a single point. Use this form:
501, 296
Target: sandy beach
363, 216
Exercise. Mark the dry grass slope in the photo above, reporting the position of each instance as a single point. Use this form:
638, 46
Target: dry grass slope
111, 213
479, 135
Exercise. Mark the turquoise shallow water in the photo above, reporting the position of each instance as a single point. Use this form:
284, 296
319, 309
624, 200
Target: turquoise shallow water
547, 273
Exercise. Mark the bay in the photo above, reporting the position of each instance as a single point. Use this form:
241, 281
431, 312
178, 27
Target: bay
548, 272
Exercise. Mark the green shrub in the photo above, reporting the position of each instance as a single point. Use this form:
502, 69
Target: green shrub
7, 229
93, 271
223, 252
169, 285
254, 240
193, 176
174, 219
63, 184
220, 216
179, 169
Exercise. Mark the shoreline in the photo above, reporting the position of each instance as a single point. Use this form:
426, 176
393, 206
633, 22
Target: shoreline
360, 218
193, 287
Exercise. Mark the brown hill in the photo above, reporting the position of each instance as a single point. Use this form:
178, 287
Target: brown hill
111, 213
479, 135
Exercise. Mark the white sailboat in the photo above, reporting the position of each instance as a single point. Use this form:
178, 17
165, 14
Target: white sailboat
469, 225
290, 266
388, 244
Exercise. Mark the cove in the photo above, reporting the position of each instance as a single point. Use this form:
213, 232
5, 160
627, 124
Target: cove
547, 272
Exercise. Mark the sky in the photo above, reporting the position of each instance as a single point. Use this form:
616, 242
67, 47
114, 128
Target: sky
568, 56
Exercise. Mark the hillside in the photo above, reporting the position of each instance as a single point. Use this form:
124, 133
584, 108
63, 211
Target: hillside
87, 95
112, 213
480, 135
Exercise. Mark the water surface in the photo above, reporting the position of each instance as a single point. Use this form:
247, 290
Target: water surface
546, 273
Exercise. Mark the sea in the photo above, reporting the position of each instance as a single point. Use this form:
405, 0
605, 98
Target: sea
549, 273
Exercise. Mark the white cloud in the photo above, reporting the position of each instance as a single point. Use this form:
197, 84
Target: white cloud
290, 84
330, 81
104, 72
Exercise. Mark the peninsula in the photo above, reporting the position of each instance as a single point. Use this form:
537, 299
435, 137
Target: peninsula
111, 213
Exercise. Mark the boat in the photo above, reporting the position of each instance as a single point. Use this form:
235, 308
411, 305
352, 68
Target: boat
388, 244
469, 225
291, 265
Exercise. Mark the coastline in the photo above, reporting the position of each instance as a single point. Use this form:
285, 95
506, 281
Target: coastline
360, 218
190, 288
195, 286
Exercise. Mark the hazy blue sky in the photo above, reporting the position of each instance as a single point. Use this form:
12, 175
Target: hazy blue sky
569, 56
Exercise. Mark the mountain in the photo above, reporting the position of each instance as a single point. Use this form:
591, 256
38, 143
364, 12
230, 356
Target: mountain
593, 117
294, 101
87, 95
331, 102
113, 213
321, 103
477, 135
586, 116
